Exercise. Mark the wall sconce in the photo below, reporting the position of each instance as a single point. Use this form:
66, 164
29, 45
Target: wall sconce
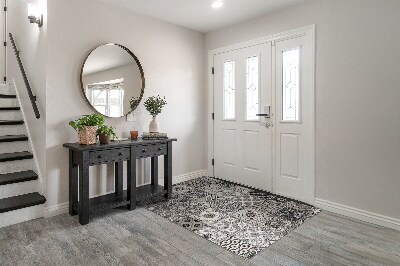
34, 15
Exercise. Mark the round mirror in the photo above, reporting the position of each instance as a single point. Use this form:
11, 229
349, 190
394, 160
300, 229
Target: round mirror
111, 76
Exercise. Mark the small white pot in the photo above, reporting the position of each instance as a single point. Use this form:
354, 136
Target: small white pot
154, 127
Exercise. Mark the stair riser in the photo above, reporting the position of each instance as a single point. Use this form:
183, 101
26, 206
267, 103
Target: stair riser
7, 102
17, 189
5, 89
17, 166
17, 146
10, 115
12, 130
21, 215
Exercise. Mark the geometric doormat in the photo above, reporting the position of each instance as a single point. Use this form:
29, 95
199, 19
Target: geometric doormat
239, 219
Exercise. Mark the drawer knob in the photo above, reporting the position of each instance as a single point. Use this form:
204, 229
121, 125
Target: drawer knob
144, 150
159, 149
100, 156
120, 154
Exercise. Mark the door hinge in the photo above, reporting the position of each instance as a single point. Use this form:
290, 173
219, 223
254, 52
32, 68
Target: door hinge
5, 44
212, 116
212, 162
5, 9
5, 79
212, 70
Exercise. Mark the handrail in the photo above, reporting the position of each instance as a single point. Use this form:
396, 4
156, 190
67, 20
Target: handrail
26, 81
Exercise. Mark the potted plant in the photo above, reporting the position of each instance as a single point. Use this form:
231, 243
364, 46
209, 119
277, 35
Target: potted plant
154, 105
87, 128
105, 133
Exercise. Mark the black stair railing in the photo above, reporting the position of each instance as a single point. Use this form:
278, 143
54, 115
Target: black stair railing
26, 81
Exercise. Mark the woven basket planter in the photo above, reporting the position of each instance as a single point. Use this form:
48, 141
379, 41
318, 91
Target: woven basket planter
87, 135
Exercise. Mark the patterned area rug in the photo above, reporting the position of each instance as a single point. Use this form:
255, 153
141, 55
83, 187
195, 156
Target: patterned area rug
241, 220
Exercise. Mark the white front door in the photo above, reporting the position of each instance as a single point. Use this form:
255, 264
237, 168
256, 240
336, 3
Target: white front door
290, 163
242, 142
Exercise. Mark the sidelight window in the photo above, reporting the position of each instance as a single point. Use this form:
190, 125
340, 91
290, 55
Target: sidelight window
229, 90
291, 85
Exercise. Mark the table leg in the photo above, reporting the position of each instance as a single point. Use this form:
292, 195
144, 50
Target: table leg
119, 185
84, 189
132, 183
73, 184
154, 170
168, 171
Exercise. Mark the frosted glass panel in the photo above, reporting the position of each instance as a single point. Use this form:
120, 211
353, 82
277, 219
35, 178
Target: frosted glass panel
229, 90
290, 85
252, 84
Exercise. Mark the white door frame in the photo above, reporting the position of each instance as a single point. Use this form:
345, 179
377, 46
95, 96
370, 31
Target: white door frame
309, 33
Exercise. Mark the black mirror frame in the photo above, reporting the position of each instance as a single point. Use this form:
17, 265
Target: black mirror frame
140, 70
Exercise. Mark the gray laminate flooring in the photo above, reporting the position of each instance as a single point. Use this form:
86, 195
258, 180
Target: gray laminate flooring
140, 237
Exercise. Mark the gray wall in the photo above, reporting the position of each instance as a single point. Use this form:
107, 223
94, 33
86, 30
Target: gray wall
31, 42
173, 61
357, 96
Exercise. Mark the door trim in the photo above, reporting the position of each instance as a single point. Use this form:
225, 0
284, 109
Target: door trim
309, 33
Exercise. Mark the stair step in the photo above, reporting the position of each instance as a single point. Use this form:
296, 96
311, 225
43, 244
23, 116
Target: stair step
12, 138
8, 96
17, 177
22, 201
6, 157
11, 122
14, 108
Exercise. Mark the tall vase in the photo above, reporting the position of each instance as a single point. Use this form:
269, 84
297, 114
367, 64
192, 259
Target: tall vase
154, 127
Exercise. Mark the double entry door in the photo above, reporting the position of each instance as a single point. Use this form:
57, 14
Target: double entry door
259, 122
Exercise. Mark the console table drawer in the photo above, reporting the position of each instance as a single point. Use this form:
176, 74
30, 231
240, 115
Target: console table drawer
109, 156
152, 150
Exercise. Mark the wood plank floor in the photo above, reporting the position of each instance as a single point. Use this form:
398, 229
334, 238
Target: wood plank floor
140, 237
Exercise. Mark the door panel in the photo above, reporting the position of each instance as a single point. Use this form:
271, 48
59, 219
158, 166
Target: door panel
242, 143
290, 155
290, 129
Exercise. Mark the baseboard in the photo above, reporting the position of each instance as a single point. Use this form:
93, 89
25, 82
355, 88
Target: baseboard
56, 210
186, 177
358, 214
63, 207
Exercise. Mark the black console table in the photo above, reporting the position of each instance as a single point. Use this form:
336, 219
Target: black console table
83, 156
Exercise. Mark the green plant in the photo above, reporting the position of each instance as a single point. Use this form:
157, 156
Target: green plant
87, 121
134, 102
154, 104
107, 130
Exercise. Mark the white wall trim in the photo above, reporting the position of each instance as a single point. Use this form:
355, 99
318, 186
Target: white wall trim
358, 214
62, 208
210, 121
189, 176
56, 210
290, 34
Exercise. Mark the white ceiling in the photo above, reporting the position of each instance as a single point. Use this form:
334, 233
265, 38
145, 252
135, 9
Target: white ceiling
198, 14
106, 57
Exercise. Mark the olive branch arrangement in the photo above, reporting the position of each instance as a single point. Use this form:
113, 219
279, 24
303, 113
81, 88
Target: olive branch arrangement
155, 104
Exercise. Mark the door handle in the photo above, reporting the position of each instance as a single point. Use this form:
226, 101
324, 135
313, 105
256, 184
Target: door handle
264, 115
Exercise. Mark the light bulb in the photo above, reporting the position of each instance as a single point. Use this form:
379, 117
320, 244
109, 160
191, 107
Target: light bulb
33, 10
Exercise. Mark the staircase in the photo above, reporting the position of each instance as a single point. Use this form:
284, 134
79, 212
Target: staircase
20, 199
